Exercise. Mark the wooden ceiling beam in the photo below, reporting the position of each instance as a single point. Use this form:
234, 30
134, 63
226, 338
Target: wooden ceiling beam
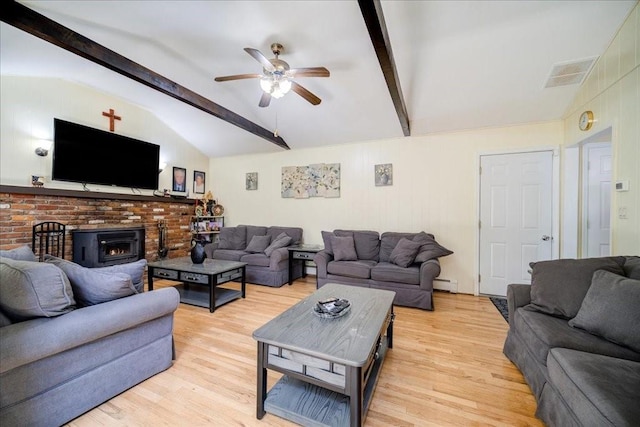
40, 26
374, 20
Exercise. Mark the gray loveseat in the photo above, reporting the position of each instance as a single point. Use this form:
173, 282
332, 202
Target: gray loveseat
575, 336
59, 359
264, 249
405, 263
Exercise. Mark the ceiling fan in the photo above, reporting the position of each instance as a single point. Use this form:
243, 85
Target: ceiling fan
277, 77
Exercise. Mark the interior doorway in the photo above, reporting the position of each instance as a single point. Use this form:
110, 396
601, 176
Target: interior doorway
516, 217
596, 201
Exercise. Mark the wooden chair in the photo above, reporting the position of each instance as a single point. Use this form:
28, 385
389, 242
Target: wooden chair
48, 238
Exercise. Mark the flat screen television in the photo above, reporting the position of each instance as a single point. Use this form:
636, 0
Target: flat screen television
92, 156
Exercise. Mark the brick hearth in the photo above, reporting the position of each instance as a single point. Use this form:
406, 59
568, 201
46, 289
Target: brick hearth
21, 208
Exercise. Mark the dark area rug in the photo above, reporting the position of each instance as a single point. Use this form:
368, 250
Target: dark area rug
501, 305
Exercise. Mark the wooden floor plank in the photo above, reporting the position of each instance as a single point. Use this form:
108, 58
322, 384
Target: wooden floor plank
446, 368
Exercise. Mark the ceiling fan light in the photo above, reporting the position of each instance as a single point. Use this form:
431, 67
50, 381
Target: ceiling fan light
285, 86
266, 84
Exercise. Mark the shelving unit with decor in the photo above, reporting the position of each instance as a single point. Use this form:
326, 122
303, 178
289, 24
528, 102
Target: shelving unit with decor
206, 228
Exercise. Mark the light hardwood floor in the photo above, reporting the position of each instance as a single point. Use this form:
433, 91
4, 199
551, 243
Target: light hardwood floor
446, 368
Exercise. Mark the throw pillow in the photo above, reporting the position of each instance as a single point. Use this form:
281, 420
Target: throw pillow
405, 252
611, 309
92, 286
429, 248
22, 253
558, 287
135, 270
344, 248
31, 289
258, 244
280, 241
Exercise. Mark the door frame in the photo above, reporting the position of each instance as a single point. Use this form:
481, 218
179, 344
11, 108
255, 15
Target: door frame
555, 201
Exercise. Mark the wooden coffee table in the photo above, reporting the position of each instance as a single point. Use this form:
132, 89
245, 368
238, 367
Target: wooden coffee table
200, 283
331, 365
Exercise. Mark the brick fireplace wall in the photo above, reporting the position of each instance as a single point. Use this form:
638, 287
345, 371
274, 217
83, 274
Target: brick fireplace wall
21, 210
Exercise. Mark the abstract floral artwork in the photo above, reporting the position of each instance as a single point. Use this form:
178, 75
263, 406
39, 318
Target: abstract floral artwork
383, 174
318, 180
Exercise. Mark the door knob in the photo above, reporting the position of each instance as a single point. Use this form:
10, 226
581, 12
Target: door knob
545, 237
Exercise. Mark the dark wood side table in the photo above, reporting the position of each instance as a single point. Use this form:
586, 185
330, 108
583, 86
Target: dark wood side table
301, 253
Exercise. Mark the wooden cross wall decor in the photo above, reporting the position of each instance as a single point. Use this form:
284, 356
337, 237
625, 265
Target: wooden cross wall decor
112, 118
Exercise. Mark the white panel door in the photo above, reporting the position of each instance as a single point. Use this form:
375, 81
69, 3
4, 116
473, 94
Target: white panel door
597, 201
516, 210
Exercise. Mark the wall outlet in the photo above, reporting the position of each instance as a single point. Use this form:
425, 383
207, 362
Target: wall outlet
622, 212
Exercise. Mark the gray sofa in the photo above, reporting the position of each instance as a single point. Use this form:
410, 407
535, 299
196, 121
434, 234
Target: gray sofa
405, 263
264, 249
59, 359
574, 333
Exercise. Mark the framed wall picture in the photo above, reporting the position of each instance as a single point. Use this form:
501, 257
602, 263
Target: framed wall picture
383, 174
198, 182
179, 179
252, 181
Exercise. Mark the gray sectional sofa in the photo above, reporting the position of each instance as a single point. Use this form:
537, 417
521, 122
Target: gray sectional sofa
60, 358
574, 333
405, 263
264, 249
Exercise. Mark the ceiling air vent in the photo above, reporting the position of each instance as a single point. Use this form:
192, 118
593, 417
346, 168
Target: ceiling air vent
570, 73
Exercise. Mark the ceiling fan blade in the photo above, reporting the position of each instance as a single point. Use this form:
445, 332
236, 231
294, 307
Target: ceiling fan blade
297, 88
238, 77
310, 72
258, 56
265, 100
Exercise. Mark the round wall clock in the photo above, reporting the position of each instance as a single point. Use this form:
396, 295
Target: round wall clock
586, 120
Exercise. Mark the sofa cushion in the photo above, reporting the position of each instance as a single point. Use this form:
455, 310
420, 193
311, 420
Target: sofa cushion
22, 253
255, 230
326, 239
232, 238
541, 332
632, 267
4, 320
611, 309
228, 254
92, 286
429, 248
559, 286
294, 232
388, 242
404, 253
135, 270
258, 259
281, 241
258, 244
367, 243
599, 390
30, 289
344, 248
359, 269
388, 272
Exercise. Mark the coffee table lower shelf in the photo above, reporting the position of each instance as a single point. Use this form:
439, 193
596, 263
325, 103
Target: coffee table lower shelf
198, 295
311, 405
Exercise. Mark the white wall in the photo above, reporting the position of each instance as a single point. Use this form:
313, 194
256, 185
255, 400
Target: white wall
435, 188
29, 106
612, 92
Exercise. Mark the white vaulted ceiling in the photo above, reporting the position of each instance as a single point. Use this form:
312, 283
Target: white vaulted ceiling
461, 64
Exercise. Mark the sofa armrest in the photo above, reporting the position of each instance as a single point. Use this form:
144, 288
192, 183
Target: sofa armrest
517, 296
429, 270
32, 340
321, 260
209, 248
277, 256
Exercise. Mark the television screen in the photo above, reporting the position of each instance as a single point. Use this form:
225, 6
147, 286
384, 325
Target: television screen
92, 156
